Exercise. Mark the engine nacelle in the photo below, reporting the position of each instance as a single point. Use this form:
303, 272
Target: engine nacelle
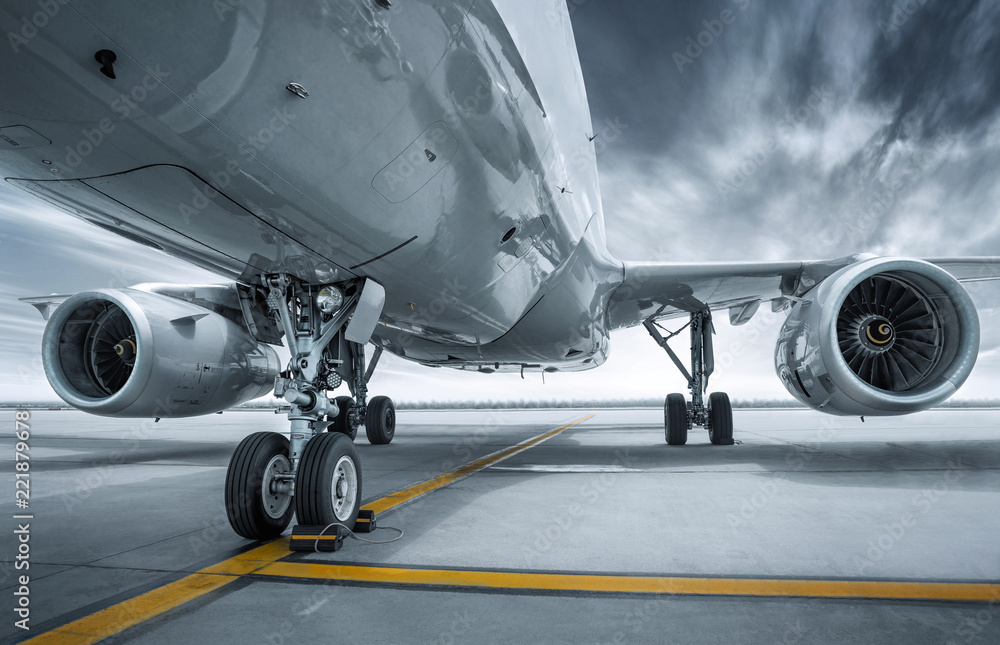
134, 353
885, 336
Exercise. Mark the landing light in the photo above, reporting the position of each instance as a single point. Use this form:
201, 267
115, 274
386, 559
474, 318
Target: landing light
330, 299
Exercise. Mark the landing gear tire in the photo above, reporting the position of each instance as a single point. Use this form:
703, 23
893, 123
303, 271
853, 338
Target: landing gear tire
342, 422
675, 419
380, 420
720, 414
256, 507
328, 484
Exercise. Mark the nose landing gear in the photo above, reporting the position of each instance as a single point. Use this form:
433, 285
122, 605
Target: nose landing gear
315, 474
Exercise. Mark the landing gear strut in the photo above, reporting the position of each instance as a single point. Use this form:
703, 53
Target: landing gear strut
314, 473
680, 415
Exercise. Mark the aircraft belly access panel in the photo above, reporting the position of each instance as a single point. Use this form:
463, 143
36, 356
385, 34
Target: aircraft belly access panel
417, 165
21, 137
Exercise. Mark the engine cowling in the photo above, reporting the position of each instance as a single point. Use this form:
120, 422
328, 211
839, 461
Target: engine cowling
886, 336
134, 353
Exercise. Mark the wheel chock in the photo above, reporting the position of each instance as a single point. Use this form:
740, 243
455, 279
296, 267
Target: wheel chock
307, 537
365, 522
314, 538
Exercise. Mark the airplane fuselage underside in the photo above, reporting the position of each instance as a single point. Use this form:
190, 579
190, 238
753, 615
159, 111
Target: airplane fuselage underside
423, 147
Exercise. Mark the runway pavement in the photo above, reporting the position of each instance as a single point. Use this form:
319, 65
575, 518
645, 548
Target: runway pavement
535, 526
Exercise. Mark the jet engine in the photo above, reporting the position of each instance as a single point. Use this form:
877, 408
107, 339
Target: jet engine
886, 336
135, 353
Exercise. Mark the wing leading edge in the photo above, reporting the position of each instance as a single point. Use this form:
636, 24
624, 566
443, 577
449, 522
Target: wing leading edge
659, 290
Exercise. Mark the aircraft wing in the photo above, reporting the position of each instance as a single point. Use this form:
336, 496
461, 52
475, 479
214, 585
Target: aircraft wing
660, 290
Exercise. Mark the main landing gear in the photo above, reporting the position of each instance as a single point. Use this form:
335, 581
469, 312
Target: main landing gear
315, 472
679, 415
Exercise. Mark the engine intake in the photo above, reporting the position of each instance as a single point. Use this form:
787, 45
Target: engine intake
885, 336
135, 353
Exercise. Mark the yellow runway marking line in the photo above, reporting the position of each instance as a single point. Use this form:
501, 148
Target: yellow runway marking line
407, 494
253, 559
110, 621
637, 584
128, 613
131, 612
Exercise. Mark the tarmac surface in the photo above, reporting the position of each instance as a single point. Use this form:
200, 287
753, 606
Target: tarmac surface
576, 526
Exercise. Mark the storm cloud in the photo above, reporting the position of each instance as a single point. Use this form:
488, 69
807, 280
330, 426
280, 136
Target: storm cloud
800, 129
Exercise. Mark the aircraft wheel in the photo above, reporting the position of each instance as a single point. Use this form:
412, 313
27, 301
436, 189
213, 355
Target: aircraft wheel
328, 485
256, 506
342, 422
675, 419
720, 414
380, 420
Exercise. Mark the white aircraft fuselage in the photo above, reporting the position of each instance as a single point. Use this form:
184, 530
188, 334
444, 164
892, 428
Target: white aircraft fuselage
442, 149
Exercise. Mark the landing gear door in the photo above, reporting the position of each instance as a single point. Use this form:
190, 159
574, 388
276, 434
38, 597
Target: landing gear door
366, 314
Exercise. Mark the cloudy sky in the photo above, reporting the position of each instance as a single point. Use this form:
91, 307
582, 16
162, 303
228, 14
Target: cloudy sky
786, 129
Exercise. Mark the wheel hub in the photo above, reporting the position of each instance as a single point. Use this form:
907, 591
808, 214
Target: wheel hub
274, 497
345, 488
